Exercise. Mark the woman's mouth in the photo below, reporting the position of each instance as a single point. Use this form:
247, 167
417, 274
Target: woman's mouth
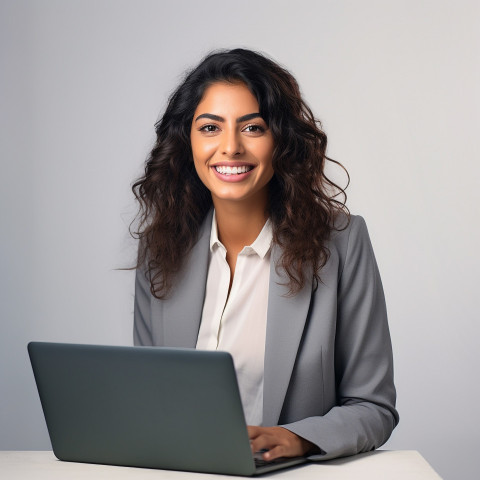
226, 170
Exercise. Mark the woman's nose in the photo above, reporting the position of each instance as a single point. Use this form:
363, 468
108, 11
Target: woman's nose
232, 143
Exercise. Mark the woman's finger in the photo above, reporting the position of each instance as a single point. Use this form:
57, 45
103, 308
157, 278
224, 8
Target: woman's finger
276, 452
263, 442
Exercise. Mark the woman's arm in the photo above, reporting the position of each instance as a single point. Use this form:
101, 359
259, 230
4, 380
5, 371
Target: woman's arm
365, 414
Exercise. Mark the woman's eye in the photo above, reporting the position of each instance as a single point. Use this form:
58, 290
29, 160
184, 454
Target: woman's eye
254, 129
209, 128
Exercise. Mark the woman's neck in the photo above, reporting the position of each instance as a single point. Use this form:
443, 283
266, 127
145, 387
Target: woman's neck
238, 226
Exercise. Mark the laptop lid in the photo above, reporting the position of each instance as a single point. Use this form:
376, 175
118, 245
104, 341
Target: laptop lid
150, 407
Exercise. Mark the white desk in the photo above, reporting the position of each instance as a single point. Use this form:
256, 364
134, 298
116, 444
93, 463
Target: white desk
381, 465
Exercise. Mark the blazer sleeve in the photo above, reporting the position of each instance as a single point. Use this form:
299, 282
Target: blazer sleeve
142, 318
365, 414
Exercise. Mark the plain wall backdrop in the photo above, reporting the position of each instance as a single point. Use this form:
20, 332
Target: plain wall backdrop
397, 87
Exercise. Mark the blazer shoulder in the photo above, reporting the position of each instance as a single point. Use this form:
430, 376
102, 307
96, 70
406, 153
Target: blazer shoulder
351, 234
346, 226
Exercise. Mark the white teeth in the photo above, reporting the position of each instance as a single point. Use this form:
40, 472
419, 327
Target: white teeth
224, 170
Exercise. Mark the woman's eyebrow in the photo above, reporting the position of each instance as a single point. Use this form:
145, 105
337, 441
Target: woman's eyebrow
217, 118
249, 116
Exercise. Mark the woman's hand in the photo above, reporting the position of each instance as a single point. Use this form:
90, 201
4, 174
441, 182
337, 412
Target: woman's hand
279, 442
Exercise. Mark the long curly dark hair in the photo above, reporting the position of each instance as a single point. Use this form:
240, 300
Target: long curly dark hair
173, 202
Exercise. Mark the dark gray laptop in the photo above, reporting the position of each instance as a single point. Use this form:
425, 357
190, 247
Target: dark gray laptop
152, 407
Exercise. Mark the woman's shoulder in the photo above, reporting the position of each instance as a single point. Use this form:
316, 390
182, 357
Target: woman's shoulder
347, 224
349, 231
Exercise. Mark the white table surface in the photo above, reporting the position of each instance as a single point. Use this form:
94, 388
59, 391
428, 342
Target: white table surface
381, 465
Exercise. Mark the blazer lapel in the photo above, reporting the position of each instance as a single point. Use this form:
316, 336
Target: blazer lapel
182, 310
286, 319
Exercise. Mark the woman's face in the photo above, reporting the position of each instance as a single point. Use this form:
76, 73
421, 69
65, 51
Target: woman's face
232, 145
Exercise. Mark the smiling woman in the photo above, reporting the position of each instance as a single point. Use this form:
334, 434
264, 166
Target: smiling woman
246, 246
232, 147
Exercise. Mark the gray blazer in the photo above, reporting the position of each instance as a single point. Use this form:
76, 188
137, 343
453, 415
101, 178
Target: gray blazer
328, 356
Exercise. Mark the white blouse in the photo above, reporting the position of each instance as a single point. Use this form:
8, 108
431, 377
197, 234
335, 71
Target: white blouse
237, 323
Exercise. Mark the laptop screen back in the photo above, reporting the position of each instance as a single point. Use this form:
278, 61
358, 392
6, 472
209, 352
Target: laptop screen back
143, 406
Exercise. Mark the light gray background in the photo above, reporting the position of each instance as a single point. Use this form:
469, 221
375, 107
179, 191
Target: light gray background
397, 86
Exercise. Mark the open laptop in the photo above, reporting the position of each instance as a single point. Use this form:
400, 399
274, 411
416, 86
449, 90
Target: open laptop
152, 407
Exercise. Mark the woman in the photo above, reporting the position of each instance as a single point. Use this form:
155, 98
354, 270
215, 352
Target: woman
245, 248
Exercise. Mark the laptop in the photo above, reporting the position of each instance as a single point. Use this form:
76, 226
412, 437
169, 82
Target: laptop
153, 407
